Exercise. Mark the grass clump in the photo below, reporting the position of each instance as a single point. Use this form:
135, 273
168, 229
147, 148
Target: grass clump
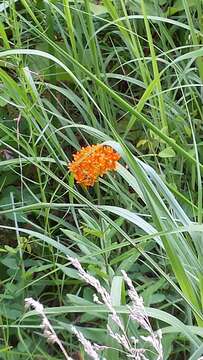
126, 76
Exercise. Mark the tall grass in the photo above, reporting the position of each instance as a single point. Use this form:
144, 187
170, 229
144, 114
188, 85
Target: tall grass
126, 74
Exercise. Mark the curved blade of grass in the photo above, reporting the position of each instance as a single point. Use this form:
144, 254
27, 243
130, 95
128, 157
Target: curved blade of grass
114, 95
94, 309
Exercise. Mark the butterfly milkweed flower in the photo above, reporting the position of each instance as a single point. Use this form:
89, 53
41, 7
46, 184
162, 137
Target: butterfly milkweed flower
91, 162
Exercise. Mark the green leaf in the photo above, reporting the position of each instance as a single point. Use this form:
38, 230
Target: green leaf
179, 6
116, 296
97, 9
10, 262
4, 99
167, 153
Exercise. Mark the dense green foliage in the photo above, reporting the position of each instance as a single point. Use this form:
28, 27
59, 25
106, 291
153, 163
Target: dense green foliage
127, 73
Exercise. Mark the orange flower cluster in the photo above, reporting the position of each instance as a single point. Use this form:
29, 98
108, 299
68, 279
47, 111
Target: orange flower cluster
91, 162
